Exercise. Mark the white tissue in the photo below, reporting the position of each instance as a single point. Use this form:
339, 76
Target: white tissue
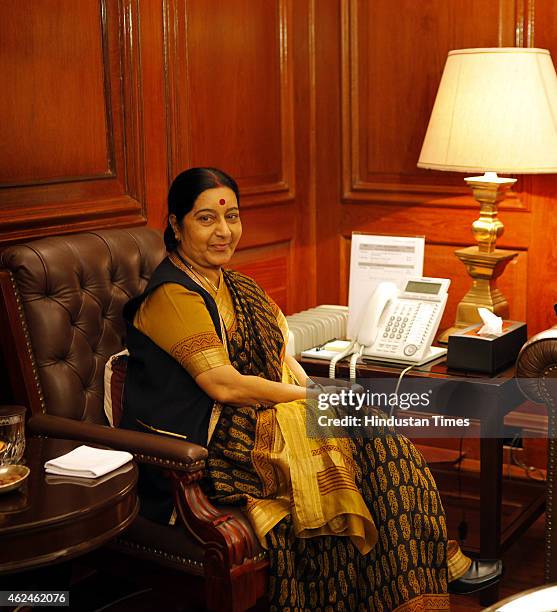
492, 324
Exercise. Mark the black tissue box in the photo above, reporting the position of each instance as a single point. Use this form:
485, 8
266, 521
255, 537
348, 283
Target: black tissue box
487, 354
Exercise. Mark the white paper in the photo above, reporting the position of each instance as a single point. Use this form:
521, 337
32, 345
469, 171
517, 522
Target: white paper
87, 462
327, 352
492, 324
374, 259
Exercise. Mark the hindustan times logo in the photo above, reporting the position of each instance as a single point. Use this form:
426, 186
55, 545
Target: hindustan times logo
348, 398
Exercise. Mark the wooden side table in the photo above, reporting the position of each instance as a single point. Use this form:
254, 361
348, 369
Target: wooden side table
53, 519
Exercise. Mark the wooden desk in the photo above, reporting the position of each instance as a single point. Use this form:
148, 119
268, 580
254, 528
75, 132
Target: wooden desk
52, 519
499, 395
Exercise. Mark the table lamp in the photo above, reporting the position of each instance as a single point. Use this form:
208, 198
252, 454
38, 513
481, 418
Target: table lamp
495, 111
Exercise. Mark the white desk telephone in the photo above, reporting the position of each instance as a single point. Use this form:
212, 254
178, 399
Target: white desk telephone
399, 326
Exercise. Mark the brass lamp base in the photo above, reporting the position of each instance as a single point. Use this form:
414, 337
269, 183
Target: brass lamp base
484, 262
484, 268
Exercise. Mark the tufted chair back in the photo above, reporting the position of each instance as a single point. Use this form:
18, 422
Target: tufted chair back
71, 290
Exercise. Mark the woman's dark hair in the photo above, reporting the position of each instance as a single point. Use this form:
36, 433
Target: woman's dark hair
185, 190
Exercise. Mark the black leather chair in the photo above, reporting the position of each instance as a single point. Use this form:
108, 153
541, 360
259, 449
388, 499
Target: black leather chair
61, 301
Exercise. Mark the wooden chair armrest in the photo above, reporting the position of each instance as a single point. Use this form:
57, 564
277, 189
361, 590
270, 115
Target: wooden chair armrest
148, 448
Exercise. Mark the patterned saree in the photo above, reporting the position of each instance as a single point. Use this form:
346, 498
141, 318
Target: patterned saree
349, 524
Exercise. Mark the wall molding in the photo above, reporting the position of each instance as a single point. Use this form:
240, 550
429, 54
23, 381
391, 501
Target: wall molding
417, 189
117, 197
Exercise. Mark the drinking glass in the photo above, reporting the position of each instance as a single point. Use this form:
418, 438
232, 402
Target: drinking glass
12, 434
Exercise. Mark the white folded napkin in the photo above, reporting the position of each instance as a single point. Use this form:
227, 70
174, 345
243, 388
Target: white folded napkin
87, 462
54, 479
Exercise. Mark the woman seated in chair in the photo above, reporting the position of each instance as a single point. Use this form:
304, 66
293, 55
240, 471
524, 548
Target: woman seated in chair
350, 523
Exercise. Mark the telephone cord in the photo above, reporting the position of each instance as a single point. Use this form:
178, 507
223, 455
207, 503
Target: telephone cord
355, 356
347, 351
399, 381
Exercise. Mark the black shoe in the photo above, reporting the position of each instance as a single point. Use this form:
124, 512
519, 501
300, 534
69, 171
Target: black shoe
481, 574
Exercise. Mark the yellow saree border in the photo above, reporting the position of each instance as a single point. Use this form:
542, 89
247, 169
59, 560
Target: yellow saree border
429, 601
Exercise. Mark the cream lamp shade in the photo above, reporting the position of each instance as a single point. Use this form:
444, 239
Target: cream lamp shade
496, 110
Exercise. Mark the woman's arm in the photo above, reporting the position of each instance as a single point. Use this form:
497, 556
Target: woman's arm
297, 370
227, 386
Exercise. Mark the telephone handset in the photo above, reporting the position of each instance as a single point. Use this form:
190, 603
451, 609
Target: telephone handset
401, 325
372, 317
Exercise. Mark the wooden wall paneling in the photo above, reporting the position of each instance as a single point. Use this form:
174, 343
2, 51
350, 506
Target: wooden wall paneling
345, 246
34, 68
155, 108
327, 149
271, 267
76, 140
449, 226
510, 28
303, 263
176, 77
542, 23
392, 59
392, 56
542, 293
265, 225
542, 270
133, 99
525, 23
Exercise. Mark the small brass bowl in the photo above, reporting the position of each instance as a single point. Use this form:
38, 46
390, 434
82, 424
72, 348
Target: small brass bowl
12, 477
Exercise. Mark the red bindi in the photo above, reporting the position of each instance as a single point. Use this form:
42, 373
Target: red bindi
222, 202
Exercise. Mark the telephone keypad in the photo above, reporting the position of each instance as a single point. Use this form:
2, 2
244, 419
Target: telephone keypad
408, 327
408, 322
